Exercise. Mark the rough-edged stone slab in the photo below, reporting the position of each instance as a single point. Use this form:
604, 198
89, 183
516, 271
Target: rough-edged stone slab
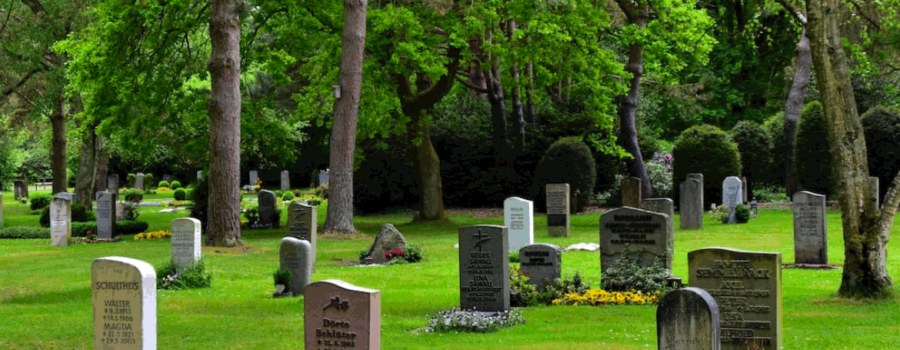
185, 242
106, 215
285, 180
484, 268
558, 210
518, 217
662, 206
339, 315
112, 183
873, 181
687, 319
691, 205
254, 175
631, 192
267, 206
302, 225
60, 222
731, 195
123, 291
295, 256
541, 262
387, 238
747, 287
69, 196
810, 229
139, 181
639, 231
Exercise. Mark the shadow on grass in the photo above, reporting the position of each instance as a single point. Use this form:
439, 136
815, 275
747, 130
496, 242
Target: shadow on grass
61, 297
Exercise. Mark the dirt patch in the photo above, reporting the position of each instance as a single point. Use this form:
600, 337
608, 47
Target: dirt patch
344, 262
246, 249
811, 266
343, 236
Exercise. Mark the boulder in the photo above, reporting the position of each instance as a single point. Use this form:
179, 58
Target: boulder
388, 238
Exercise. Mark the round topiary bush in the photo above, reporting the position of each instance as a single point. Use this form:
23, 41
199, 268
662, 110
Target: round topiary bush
163, 183
567, 160
39, 201
175, 185
180, 194
287, 196
881, 126
755, 149
708, 150
812, 155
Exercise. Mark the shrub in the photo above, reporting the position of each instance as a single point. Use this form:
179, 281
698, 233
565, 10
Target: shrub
180, 194
812, 156
200, 198
84, 229
127, 227
774, 173
148, 182
153, 235
598, 297
130, 211
163, 183
755, 148
287, 196
39, 201
660, 179
130, 179
283, 277
278, 193
322, 191
133, 195
473, 321
772, 194
881, 126
79, 214
175, 184
194, 276
742, 213
413, 253
521, 293
705, 149
24, 232
514, 257
566, 161
627, 275
560, 288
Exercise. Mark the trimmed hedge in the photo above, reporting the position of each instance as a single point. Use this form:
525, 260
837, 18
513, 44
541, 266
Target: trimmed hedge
175, 184
126, 227
24, 232
774, 173
570, 161
180, 194
881, 126
79, 214
708, 150
812, 155
755, 147
39, 201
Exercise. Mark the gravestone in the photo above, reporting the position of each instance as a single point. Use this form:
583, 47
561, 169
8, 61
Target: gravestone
285, 181
106, 215
139, 181
339, 315
747, 287
810, 229
558, 210
112, 183
295, 256
66, 195
542, 263
167, 178
123, 291
387, 239
302, 225
60, 222
518, 217
199, 174
641, 232
484, 268
873, 181
253, 177
120, 210
21, 189
687, 319
631, 192
662, 206
323, 176
698, 177
691, 205
267, 207
745, 187
185, 242
731, 195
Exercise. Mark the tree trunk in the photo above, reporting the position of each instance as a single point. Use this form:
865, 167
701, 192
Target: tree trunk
88, 166
224, 109
428, 167
529, 93
793, 109
498, 114
865, 233
627, 105
58, 144
346, 113
102, 171
518, 114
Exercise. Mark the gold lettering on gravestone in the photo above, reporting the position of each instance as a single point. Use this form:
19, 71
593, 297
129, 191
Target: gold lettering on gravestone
334, 334
119, 319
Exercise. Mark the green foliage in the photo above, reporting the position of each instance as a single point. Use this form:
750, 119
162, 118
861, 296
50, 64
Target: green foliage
84, 229
559, 288
413, 253
881, 126
131, 179
163, 183
175, 184
288, 196
705, 149
130, 211
39, 201
278, 193
755, 148
133, 195
566, 161
473, 321
660, 179
148, 183
28, 232
514, 257
79, 214
627, 275
742, 213
128, 227
720, 214
180, 194
774, 172
195, 276
812, 155
322, 191
200, 201
521, 293
282, 277
772, 194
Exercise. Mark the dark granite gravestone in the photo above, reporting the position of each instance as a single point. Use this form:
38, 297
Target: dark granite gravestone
302, 225
123, 291
558, 210
687, 319
542, 263
339, 315
295, 256
731, 195
106, 215
267, 206
810, 229
484, 268
639, 231
747, 287
285, 181
631, 192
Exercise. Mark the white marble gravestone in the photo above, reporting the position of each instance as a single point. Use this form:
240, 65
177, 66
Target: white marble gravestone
123, 291
185, 242
731, 195
60, 222
518, 217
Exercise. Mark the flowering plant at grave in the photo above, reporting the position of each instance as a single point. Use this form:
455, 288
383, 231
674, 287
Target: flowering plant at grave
248, 188
90, 235
664, 159
598, 297
393, 254
153, 235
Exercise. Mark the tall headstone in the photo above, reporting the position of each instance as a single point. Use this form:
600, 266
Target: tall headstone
747, 287
139, 181
339, 315
687, 319
662, 206
295, 256
873, 180
558, 210
123, 291
60, 222
810, 229
66, 195
484, 268
542, 263
691, 205
199, 174
21, 189
106, 215
323, 176
731, 195
185, 242
267, 206
631, 192
112, 183
518, 217
253, 176
641, 232
302, 225
698, 177
285, 180
745, 186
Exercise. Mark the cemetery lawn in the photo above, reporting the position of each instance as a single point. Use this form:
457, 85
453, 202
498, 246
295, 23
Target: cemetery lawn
45, 296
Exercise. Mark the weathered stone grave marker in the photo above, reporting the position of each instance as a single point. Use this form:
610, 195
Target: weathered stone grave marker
731, 196
199, 174
541, 262
294, 256
185, 242
641, 232
810, 229
387, 238
106, 215
302, 225
112, 183
254, 175
745, 187
691, 203
558, 210
267, 207
339, 315
60, 222
518, 217
139, 181
484, 268
631, 192
285, 180
687, 319
123, 291
323, 176
662, 206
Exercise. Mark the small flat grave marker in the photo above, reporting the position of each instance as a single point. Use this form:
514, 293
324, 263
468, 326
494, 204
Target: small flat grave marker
541, 262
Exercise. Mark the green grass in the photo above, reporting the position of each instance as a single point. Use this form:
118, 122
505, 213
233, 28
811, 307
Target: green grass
45, 300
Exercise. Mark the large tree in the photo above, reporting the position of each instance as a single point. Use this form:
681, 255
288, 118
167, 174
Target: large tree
346, 114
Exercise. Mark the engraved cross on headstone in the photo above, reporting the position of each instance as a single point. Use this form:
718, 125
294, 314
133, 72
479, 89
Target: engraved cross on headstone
480, 238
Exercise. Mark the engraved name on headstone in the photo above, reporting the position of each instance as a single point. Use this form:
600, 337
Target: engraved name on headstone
641, 232
518, 217
123, 291
339, 315
542, 263
558, 210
